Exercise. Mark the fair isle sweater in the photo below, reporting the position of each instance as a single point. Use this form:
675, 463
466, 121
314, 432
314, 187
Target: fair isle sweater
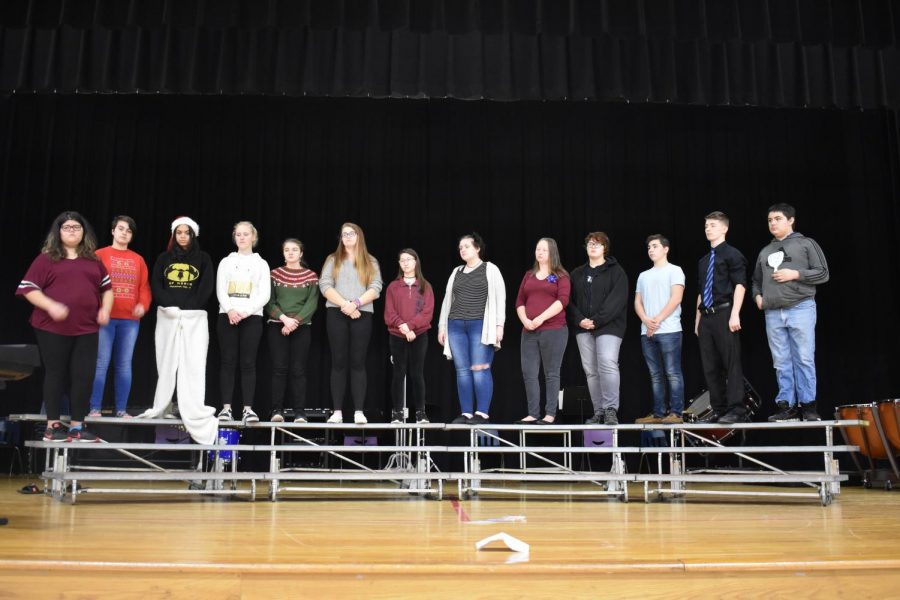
295, 293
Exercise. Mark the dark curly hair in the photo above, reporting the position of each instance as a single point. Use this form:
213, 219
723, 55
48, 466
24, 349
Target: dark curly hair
53, 246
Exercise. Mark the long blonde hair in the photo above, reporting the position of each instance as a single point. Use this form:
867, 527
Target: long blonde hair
363, 262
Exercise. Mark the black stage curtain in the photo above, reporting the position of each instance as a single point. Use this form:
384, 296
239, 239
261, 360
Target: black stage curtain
794, 53
420, 173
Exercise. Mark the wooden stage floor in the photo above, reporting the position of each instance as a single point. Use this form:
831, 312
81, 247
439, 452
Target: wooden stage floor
321, 547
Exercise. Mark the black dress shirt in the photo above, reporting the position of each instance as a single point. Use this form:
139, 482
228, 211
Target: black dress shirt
729, 271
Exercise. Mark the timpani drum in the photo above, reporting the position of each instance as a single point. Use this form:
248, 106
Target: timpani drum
889, 415
866, 437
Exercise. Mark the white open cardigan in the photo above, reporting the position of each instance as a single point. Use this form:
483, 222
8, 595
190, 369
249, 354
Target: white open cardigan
494, 310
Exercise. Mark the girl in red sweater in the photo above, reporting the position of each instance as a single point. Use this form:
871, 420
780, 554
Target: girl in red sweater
408, 310
131, 292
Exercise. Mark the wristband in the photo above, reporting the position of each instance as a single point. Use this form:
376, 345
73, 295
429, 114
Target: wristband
357, 303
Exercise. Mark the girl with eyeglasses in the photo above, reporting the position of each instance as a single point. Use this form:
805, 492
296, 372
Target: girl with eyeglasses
72, 297
351, 282
596, 315
408, 310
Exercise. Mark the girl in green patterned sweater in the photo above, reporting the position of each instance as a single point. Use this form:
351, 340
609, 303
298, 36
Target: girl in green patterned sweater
294, 299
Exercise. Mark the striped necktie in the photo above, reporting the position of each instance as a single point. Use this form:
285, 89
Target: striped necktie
707, 286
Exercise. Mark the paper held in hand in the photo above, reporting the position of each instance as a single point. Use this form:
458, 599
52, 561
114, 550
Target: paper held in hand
775, 260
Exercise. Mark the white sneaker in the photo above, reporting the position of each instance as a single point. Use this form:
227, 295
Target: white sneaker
336, 417
249, 415
359, 418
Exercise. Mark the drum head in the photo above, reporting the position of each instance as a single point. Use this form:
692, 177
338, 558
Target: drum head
698, 408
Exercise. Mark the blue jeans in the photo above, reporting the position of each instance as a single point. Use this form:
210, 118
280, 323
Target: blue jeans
662, 352
792, 341
475, 387
116, 344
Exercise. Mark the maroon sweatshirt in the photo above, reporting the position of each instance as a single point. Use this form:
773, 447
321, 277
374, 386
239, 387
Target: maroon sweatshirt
405, 304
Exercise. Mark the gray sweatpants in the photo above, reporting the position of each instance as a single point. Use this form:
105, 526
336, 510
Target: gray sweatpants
600, 361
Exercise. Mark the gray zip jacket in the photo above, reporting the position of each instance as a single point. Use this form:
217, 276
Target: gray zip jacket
801, 254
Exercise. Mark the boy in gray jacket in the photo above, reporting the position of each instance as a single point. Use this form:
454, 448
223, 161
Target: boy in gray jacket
785, 277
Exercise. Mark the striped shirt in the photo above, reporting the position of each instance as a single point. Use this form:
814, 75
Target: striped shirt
470, 293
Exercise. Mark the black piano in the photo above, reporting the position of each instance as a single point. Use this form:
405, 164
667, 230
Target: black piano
17, 361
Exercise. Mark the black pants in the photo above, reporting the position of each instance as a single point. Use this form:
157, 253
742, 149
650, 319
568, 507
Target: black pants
409, 363
720, 353
288, 354
349, 341
70, 362
238, 341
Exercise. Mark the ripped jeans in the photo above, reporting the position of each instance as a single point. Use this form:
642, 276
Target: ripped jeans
474, 386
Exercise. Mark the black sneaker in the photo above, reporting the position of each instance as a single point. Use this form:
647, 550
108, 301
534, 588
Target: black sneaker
738, 415
396, 416
82, 434
56, 433
808, 412
277, 417
595, 420
712, 417
421, 417
461, 420
784, 413
610, 417
478, 420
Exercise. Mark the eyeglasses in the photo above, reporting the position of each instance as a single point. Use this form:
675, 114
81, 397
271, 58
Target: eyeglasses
407, 260
594, 245
348, 234
72, 228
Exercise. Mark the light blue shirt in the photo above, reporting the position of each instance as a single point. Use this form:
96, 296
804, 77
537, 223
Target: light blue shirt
655, 287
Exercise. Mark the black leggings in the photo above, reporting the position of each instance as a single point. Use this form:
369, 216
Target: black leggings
288, 354
238, 340
349, 341
409, 363
70, 362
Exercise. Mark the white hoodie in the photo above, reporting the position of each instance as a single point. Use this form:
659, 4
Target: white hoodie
242, 283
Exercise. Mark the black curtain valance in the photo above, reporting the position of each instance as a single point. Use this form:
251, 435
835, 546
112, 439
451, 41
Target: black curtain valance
870, 23
803, 53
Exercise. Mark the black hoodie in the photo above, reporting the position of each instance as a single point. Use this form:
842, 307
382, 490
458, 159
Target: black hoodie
603, 299
183, 279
